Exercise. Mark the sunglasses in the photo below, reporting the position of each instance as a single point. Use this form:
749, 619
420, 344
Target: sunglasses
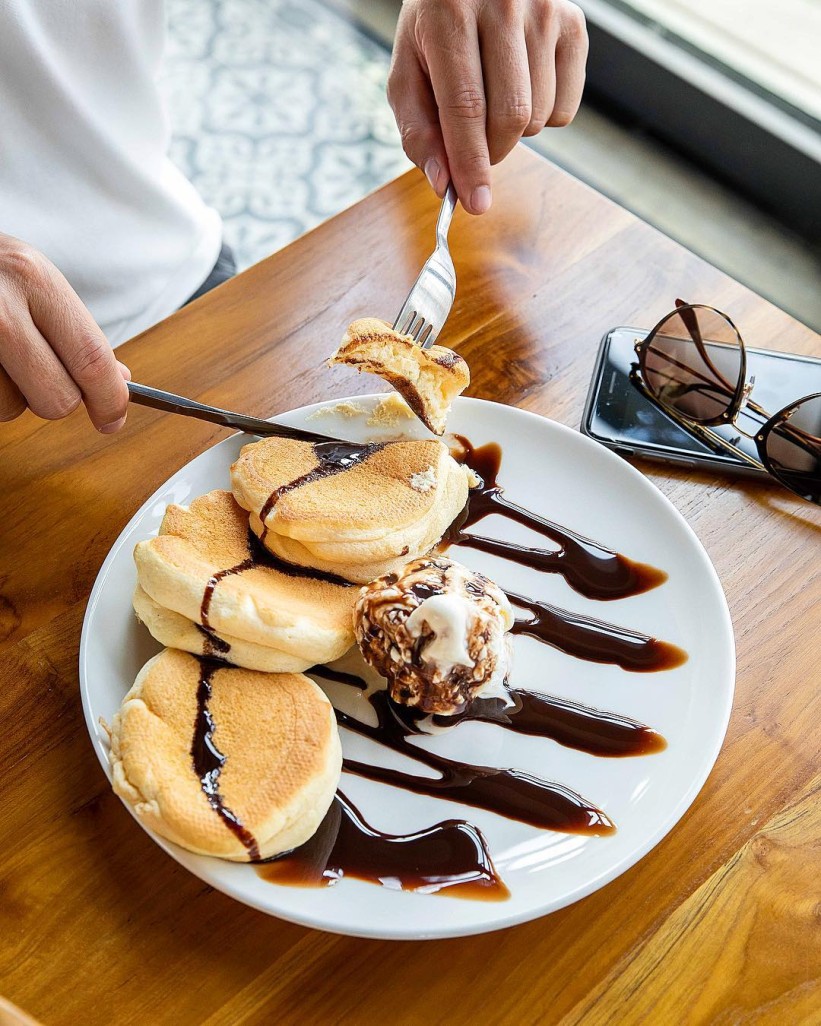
693, 365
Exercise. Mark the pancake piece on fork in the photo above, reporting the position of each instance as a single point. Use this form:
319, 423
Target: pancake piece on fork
427, 379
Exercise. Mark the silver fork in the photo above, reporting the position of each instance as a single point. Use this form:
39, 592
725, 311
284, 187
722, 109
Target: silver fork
426, 309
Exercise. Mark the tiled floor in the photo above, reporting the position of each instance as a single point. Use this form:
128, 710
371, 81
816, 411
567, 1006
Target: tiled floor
279, 114
280, 120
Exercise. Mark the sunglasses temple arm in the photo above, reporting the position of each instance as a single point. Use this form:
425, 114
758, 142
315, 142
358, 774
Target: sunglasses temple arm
705, 356
799, 437
709, 436
751, 404
703, 384
704, 434
690, 321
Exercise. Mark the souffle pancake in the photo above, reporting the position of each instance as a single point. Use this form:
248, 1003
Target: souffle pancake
173, 630
204, 566
225, 761
427, 379
356, 515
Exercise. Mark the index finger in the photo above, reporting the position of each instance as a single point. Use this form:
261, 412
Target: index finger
80, 345
455, 68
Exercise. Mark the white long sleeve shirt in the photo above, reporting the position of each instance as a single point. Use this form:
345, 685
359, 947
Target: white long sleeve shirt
84, 171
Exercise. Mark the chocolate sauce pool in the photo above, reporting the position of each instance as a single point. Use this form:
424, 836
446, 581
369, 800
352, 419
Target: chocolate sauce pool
452, 856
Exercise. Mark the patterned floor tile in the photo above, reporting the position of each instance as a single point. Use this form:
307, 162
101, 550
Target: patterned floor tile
279, 115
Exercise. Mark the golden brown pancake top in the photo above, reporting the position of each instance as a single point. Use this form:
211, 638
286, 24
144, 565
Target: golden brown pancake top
371, 498
277, 735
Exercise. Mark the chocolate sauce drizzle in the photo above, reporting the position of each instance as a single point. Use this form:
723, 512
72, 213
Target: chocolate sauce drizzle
595, 731
260, 556
453, 855
588, 567
333, 458
208, 760
353, 680
600, 733
213, 581
507, 792
450, 857
213, 646
594, 640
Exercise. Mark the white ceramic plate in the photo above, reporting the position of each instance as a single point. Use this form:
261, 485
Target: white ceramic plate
578, 483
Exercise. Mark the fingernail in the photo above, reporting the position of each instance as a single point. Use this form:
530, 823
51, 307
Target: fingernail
480, 199
432, 170
109, 429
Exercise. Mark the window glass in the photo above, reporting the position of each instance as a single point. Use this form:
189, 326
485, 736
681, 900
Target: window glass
776, 47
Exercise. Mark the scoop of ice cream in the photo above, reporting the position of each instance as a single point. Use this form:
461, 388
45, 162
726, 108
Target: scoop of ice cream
436, 632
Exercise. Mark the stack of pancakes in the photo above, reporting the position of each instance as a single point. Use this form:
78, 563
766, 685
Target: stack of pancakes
202, 590
259, 585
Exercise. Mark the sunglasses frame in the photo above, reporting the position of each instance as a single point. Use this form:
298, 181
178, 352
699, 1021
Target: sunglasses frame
734, 406
782, 417
700, 429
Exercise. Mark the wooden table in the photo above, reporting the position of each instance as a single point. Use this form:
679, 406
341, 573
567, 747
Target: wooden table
717, 924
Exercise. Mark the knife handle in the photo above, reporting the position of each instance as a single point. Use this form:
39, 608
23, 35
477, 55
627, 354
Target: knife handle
144, 395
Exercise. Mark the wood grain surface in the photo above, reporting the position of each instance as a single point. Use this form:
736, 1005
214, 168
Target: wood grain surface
12, 1016
718, 924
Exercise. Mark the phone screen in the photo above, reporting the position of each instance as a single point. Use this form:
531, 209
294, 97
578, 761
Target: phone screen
619, 415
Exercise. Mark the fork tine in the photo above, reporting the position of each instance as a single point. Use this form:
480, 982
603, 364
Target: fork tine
429, 301
404, 321
417, 328
425, 328
423, 336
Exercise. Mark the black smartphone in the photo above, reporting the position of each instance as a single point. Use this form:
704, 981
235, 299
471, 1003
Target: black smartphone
617, 414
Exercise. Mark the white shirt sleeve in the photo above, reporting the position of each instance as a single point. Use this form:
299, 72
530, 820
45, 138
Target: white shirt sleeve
84, 170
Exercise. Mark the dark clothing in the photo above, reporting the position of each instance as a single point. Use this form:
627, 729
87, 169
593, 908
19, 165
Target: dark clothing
223, 269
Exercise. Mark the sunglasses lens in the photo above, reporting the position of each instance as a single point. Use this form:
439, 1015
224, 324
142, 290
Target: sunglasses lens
793, 449
693, 363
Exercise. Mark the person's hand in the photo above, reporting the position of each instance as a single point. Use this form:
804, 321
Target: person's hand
53, 355
469, 78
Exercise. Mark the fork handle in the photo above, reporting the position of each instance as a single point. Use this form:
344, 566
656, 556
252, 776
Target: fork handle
168, 402
445, 215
